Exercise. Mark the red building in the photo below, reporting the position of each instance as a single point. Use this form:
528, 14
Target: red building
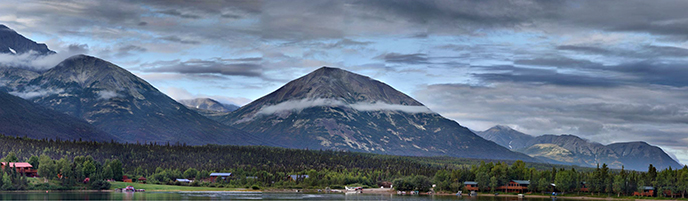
515, 186
648, 191
471, 185
22, 168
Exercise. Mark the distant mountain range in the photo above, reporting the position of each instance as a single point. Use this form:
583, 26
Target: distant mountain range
331, 108
87, 98
573, 150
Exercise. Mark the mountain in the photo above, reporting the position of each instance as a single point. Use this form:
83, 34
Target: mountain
573, 150
19, 117
331, 108
208, 104
505, 136
11, 77
12, 42
636, 154
124, 105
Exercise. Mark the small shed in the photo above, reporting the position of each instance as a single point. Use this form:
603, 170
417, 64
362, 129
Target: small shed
183, 180
141, 179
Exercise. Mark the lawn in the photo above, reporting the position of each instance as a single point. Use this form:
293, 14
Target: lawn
157, 187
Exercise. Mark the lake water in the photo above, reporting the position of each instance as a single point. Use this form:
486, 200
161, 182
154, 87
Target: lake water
236, 196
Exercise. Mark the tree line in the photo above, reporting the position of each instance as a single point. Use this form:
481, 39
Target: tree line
259, 166
601, 180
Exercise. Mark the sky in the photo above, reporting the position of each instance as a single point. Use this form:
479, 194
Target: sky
607, 71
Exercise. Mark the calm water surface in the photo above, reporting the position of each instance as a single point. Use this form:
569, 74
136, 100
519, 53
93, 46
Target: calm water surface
235, 196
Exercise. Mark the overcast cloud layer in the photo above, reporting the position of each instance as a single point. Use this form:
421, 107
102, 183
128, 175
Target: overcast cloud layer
608, 71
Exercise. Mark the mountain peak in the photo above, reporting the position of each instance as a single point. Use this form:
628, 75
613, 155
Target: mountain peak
208, 104
500, 128
339, 85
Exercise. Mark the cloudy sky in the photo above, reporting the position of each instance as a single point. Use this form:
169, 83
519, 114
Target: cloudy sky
608, 71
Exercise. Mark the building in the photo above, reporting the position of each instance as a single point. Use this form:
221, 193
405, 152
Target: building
295, 177
584, 187
251, 177
648, 191
471, 185
515, 186
183, 181
125, 178
22, 168
221, 175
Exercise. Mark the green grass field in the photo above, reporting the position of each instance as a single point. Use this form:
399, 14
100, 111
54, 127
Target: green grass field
156, 187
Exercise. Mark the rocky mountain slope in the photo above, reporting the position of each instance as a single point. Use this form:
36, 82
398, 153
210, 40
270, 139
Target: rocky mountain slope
332, 108
124, 105
208, 104
19, 117
15, 43
505, 136
573, 150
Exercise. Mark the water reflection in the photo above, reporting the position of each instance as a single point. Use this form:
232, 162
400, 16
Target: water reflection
238, 196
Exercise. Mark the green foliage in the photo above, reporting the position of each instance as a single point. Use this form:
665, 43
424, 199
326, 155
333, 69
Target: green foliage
11, 157
100, 185
190, 173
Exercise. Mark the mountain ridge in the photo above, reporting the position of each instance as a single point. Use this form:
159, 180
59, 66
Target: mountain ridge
122, 104
331, 108
632, 155
15, 43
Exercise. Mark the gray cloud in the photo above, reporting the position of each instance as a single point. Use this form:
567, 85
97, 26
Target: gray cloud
179, 40
404, 58
129, 50
177, 13
644, 51
197, 66
538, 76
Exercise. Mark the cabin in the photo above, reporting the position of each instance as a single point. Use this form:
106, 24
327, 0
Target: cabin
584, 187
125, 178
471, 185
141, 180
515, 186
183, 181
22, 168
648, 191
295, 177
222, 175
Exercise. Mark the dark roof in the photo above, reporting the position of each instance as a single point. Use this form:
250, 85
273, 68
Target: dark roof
524, 182
220, 174
470, 183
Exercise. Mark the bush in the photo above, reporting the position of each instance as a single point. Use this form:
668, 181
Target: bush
336, 186
100, 185
255, 187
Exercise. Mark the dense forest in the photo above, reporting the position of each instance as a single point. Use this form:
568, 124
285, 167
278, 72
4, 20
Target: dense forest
69, 163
